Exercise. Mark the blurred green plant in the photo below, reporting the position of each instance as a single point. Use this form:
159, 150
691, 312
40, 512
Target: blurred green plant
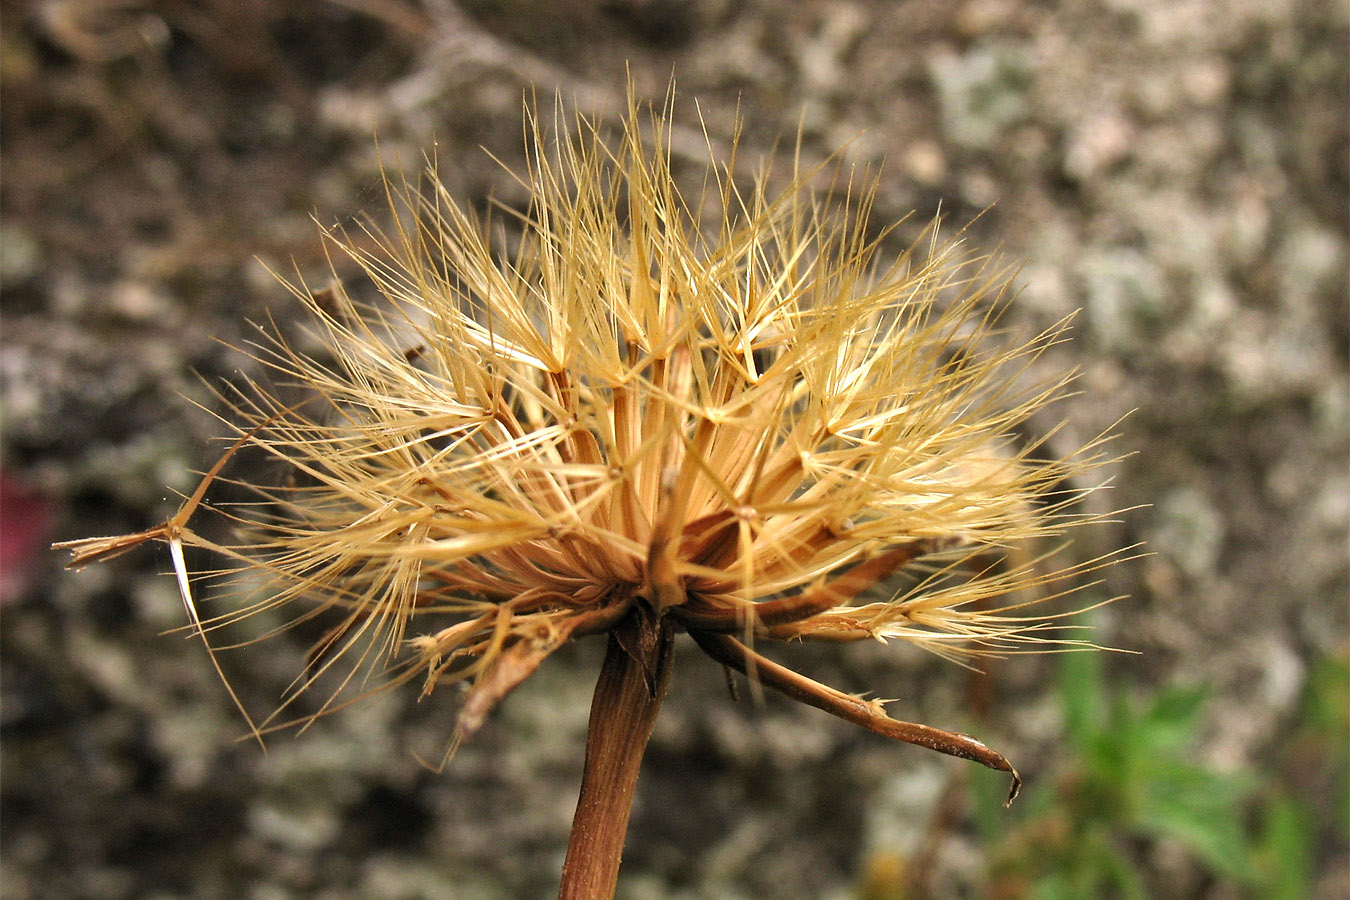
1131, 784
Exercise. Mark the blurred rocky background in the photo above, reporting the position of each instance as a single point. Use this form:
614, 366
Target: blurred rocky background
1175, 169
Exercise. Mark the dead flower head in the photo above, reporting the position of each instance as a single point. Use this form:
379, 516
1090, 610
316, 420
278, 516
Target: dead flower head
643, 419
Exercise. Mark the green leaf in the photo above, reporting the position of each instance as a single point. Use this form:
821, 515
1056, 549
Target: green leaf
1170, 722
1082, 695
1286, 850
1326, 699
1118, 871
1202, 810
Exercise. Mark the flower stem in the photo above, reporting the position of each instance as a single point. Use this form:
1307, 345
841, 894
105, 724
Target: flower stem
628, 695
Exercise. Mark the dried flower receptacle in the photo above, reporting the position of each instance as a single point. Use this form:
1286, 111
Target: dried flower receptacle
642, 420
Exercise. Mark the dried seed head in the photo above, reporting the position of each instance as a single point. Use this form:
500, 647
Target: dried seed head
742, 420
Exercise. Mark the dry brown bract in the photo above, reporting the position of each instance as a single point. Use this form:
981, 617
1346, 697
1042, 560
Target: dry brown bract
645, 419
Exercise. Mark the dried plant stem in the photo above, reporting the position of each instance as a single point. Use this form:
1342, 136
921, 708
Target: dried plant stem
628, 695
869, 714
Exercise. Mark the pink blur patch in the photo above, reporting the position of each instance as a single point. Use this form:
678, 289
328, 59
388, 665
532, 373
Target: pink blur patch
25, 521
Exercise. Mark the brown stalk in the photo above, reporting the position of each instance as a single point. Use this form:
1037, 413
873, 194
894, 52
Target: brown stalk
628, 695
732, 653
